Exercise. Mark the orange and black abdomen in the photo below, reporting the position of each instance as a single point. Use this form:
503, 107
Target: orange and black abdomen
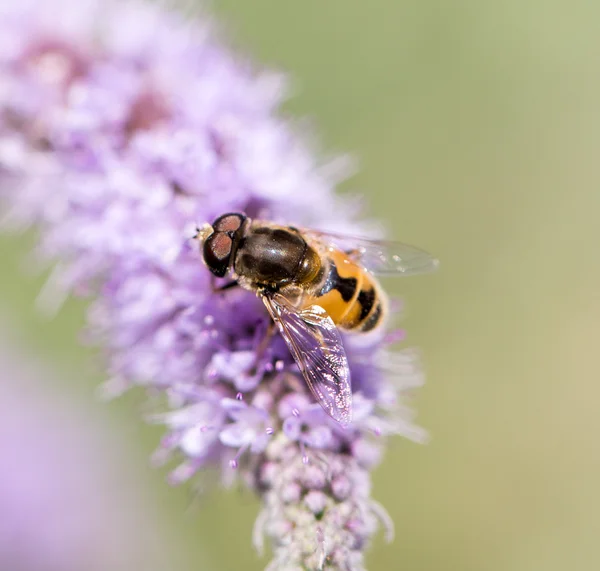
349, 294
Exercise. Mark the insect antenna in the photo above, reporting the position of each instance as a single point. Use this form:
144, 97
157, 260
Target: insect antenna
203, 232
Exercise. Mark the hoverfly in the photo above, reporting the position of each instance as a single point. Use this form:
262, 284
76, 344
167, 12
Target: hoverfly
312, 288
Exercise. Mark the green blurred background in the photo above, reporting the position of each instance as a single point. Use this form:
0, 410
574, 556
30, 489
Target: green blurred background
477, 126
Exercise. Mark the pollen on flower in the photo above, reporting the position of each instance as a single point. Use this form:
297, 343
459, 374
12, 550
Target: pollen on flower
122, 129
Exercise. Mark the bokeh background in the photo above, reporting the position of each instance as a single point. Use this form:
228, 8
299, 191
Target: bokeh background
477, 127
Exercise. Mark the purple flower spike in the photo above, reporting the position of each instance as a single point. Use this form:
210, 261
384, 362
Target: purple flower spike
122, 128
69, 499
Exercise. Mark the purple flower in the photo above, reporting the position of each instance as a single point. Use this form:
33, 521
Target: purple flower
68, 500
122, 127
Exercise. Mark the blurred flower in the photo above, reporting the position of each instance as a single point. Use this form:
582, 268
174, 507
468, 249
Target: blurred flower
68, 500
121, 128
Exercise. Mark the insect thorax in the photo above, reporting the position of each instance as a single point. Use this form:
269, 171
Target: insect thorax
276, 257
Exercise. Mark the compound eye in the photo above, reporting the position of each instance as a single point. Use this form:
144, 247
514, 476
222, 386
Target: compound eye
217, 253
229, 222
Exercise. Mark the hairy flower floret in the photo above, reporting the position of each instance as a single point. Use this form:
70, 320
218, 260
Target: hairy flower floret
122, 128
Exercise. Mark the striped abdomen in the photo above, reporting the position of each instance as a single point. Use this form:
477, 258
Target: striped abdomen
349, 294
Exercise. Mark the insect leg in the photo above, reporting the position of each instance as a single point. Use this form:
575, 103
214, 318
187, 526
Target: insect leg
264, 344
218, 289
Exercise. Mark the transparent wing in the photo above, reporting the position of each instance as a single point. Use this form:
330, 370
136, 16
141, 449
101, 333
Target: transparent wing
383, 257
316, 345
